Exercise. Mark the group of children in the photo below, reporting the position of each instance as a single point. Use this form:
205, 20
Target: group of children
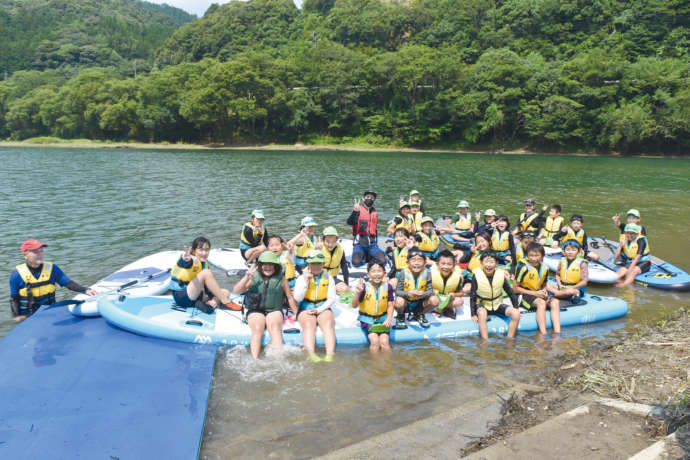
308, 273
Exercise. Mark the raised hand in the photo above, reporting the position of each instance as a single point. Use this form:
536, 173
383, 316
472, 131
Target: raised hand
360, 286
356, 205
187, 253
478, 216
252, 270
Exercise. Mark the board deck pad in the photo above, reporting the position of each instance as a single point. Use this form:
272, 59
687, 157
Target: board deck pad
81, 388
136, 274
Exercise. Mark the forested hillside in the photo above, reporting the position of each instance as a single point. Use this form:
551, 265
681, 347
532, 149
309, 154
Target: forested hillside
589, 75
49, 34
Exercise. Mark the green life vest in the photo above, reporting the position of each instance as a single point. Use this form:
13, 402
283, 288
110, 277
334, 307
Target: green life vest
265, 295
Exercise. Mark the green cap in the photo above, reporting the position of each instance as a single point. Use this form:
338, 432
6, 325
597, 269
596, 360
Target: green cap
414, 192
632, 228
426, 219
268, 257
404, 204
634, 212
463, 204
258, 213
490, 212
308, 222
330, 231
414, 203
316, 257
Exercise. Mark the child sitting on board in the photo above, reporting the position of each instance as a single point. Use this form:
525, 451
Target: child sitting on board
486, 295
335, 260
572, 275
428, 240
447, 282
402, 220
552, 225
531, 281
375, 301
414, 293
635, 254
502, 241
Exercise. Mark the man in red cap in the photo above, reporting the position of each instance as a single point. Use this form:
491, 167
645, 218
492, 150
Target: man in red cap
32, 283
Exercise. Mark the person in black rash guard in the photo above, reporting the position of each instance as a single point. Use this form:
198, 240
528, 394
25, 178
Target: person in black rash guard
32, 284
489, 222
486, 295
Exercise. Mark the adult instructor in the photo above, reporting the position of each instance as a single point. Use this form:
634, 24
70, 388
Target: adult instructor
32, 284
364, 220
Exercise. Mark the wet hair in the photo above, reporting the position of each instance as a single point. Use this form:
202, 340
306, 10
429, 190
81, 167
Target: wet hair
446, 253
505, 218
535, 247
402, 231
557, 207
484, 234
375, 262
199, 242
487, 254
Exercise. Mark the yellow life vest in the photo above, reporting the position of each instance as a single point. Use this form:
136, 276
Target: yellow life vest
375, 302
475, 261
412, 283
526, 223
288, 265
400, 258
630, 249
417, 221
429, 243
41, 288
570, 272
446, 285
553, 226
489, 294
519, 254
306, 247
533, 279
184, 276
333, 259
406, 223
464, 222
500, 241
258, 233
316, 294
578, 236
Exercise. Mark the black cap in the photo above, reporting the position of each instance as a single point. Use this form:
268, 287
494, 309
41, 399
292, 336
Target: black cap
415, 251
576, 217
369, 191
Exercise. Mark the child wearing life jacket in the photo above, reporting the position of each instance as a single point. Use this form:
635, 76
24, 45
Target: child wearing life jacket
553, 224
530, 281
447, 282
486, 295
488, 224
315, 294
482, 243
397, 255
416, 215
526, 238
286, 257
462, 222
192, 283
502, 241
335, 260
402, 220
375, 301
428, 240
414, 293
254, 237
635, 253
572, 275
631, 217
266, 291
305, 242
574, 231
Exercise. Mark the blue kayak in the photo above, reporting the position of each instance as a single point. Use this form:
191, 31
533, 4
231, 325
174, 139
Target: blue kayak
159, 317
661, 275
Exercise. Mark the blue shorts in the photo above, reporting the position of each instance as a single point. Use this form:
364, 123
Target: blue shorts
368, 252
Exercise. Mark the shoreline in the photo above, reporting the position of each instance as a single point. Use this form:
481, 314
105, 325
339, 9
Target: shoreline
83, 144
649, 366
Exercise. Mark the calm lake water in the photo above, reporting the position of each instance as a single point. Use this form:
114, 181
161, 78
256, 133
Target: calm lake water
101, 209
